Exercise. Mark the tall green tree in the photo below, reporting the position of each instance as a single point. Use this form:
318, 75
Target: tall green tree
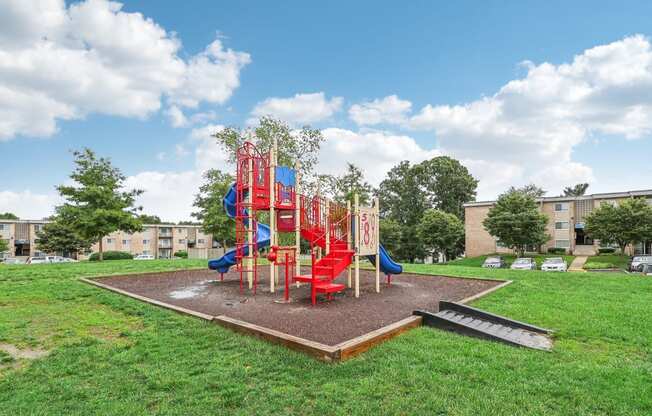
403, 201
515, 220
150, 219
447, 183
210, 210
60, 236
350, 183
293, 144
96, 204
629, 222
441, 232
577, 190
8, 216
531, 190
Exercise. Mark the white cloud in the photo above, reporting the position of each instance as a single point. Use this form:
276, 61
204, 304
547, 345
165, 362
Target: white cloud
170, 194
176, 116
375, 152
27, 204
535, 122
390, 109
302, 108
62, 63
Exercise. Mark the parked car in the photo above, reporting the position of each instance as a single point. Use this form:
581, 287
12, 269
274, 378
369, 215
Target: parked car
524, 263
493, 262
646, 270
38, 260
636, 263
12, 260
554, 264
59, 259
144, 257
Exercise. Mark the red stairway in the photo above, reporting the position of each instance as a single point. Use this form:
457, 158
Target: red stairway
316, 214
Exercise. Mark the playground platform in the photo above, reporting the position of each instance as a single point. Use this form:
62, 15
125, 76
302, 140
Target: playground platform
331, 331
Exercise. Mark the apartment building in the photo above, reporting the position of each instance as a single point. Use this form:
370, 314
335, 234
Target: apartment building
21, 236
566, 224
159, 240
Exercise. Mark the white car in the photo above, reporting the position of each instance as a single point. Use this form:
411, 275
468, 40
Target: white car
524, 263
144, 257
554, 264
38, 260
493, 262
12, 260
59, 259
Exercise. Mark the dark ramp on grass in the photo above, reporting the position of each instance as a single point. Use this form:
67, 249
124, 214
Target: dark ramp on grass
470, 321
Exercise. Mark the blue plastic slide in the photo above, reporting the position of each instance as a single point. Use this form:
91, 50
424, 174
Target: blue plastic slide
223, 264
387, 265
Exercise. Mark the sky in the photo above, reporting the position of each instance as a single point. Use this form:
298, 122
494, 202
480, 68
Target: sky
551, 93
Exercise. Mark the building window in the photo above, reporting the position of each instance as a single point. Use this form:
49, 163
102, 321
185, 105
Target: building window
562, 243
179, 230
200, 241
182, 241
109, 241
145, 241
561, 206
125, 242
2, 227
561, 225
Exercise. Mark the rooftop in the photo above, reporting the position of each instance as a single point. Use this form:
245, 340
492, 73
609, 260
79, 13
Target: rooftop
607, 195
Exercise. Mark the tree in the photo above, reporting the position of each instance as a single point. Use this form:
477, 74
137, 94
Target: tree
403, 201
293, 145
8, 216
577, 190
4, 245
95, 204
210, 208
447, 184
350, 183
60, 236
629, 222
440, 232
531, 190
516, 222
390, 236
150, 219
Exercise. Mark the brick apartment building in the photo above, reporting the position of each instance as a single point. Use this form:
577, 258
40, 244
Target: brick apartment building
566, 216
159, 240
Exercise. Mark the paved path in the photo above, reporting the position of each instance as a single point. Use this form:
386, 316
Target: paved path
578, 264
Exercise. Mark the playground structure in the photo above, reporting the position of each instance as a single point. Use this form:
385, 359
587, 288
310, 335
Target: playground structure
338, 235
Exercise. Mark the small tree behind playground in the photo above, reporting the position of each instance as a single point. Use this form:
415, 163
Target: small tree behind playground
629, 222
210, 209
440, 232
515, 220
96, 203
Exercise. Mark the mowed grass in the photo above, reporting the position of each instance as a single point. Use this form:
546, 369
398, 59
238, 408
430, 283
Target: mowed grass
607, 261
507, 258
111, 355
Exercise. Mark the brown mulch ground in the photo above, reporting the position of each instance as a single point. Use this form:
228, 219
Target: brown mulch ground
330, 323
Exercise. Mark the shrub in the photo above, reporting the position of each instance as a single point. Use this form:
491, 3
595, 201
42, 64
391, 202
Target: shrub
111, 255
181, 253
606, 250
556, 250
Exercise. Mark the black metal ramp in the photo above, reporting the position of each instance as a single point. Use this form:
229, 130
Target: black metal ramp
470, 321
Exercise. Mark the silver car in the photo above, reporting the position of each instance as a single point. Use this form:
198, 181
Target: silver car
638, 261
524, 263
646, 269
554, 264
493, 262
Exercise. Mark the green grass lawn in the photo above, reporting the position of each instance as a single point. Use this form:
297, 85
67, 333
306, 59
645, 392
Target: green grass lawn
112, 355
508, 258
607, 261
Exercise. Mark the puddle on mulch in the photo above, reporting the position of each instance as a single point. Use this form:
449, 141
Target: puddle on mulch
191, 291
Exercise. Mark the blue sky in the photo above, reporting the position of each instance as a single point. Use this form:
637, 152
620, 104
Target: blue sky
318, 62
